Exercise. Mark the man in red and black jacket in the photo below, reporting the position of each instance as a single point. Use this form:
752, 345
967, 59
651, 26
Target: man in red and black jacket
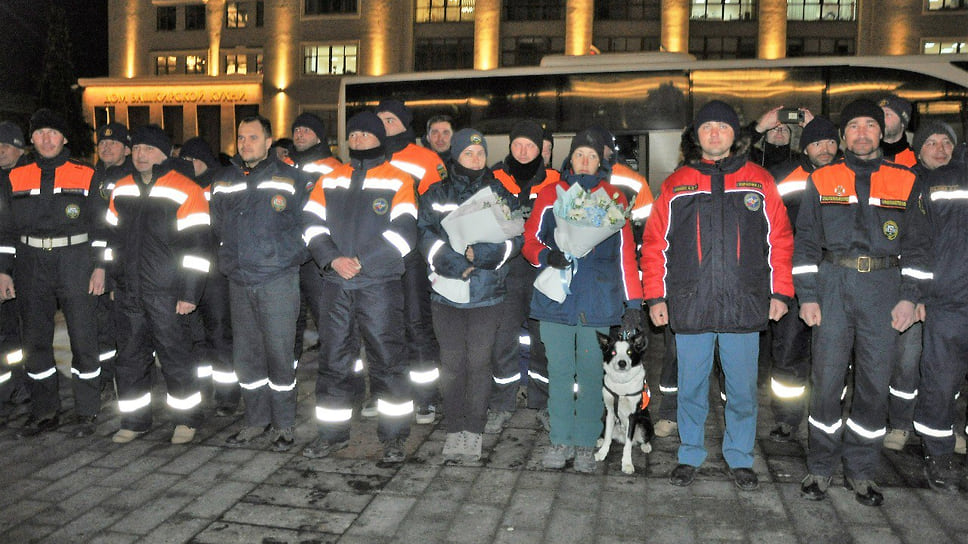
716, 261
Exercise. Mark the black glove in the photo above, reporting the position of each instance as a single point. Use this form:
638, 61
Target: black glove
633, 319
557, 259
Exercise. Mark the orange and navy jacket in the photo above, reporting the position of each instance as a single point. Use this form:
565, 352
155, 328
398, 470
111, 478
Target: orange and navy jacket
905, 158
423, 164
366, 210
717, 247
627, 180
316, 161
543, 178
854, 207
791, 180
51, 198
160, 234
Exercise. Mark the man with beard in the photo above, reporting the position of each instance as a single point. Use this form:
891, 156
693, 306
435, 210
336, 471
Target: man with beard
894, 144
440, 130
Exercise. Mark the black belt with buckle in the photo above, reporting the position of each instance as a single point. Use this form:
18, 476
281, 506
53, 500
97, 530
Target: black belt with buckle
54, 242
863, 263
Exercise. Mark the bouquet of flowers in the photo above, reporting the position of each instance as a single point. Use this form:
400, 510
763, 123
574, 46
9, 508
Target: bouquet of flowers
583, 220
482, 218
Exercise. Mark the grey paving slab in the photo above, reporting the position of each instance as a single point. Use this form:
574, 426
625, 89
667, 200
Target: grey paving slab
174, 530
383, 515
288, 517
217, 500
474, 523
233, 533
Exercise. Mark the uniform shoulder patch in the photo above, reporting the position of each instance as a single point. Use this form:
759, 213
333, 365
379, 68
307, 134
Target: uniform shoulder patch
749, 184
684, 188
442, 171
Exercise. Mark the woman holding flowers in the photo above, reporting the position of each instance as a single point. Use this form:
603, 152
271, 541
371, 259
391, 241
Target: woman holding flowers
469, 284
603, 283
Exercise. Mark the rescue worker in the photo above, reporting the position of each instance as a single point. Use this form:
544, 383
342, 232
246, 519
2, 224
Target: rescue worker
897, 117
423, 352
257, 217
360, 225
53, 222
547, 144
13, 390
523, 173
791, 336
858, 222
160, 238
716, 256
440, 131
771, 139
214, 323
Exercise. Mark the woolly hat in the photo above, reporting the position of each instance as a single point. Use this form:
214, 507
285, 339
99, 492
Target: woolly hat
367, 121
114, 131
465, 138
817, 130
588, 138
197, 148
311, 122
152, 135
717, 110
926, 130
397, 108
45, 118
861, 108
11, 134
527, 129
605, 135
900, 106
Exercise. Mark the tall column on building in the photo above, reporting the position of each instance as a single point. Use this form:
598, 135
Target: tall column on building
487, 34
884, 27
214, 23
675, 26
280, 63
126, 53
772, 29
377, 55
579, 20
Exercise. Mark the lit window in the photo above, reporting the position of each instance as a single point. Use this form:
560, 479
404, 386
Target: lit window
323, 60
724, 10
166, 18
936, 46
329, 7
195, 17
195, 64
820, 10
165, 64
934, 5
236, 64
441, 11
236, 15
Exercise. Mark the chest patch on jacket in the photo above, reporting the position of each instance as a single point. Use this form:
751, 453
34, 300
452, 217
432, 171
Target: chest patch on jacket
890, 230
753, 202
279, 203
683, 188
750, 184
72, 211
381, 206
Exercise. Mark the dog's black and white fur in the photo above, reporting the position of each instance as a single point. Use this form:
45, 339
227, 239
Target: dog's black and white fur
623, 386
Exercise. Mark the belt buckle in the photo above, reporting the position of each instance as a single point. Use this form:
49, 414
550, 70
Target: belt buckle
47, 244
863, 263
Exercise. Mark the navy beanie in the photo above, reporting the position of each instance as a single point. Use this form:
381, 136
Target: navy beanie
817, 130
589, 138
11, 134
397, 108
926, 130
45, 118
197, 148
114, 131
311, 122
861, 107
527, 129
719, 111
367, 121
465, 138
900, 106
152, 135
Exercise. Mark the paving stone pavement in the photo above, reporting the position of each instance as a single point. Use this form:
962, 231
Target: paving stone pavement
62, 490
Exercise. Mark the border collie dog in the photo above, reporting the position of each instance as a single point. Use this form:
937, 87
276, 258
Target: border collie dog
626, 396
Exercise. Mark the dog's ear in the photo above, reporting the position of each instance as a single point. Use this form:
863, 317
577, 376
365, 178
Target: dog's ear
640, 342
603, 340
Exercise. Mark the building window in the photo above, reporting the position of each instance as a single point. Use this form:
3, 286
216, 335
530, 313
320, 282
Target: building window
195, 64
727, 47
621, 44
236, 64
195, 17
329, 7
444, 11
165, 64
627, 10
527, 51
166, 18
533, 10
443, 54
724, 10
813, 47
236, 15
943, 46
330, 60
935, 5
260, 13
820, 10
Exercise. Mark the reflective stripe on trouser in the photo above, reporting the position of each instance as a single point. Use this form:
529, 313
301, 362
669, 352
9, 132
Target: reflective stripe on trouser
791, 367
420, 344
215, 326
377, 311
738, 355
44, 280
669, 379
263, 356
853, 323
905, 380
146, 322
537, 368
574, 357
507, 340
944, 364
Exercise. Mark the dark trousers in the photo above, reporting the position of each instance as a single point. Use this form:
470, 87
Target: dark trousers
146, 323
507, 339
45, 279
310, 284
791, 367
378, 312
265, 315
905, 379
214, 349
669, 379
421, 349
107, 345
12, 386
944, 363
466, 353
856, 318
537, 368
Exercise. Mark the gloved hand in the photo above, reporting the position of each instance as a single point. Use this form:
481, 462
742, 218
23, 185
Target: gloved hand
557, 259
633, 319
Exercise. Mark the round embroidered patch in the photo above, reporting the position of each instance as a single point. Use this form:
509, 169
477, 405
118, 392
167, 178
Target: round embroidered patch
278, 203
753, 202
839, 190
381, 206
72, 211
890, 230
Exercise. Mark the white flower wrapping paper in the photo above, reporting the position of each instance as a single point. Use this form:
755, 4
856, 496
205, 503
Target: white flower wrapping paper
482, 218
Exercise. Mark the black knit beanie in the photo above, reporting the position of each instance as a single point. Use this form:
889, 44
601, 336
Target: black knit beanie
861, 107
311, 122
719, 111
816, 130
152, 135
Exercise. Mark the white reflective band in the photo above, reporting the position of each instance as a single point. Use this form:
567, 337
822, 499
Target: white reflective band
312, 232
42, 375
277, 186
443, 208
283, 388
229, 188
788, 187
508, 246
625, 181
108, 254
388, 184
398, 242
330, 415
208, 196
196, 263
203, 371
806, 269
829, 429
111, 218
358, 366
317, 168
505, 381
786, 391
394, 410
254, 385
949, 195
86, 375
58, 190
433, 253
574, 387
336, 183
168, 192
295, 363
413, 169
535, 376
5, 377
186, 403
107, 355
937, 433
722, 396
15, 357
917, 274
644, 212
126, 190
425, 376
957, 394
193, 220
99, 243
843, 394
403, 208
869, 434
663, 389
524, 340
316, 209
9, 250
903, 394
129, 406
224, 377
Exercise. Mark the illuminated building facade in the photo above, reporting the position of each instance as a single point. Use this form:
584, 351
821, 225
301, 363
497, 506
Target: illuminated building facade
198, 66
